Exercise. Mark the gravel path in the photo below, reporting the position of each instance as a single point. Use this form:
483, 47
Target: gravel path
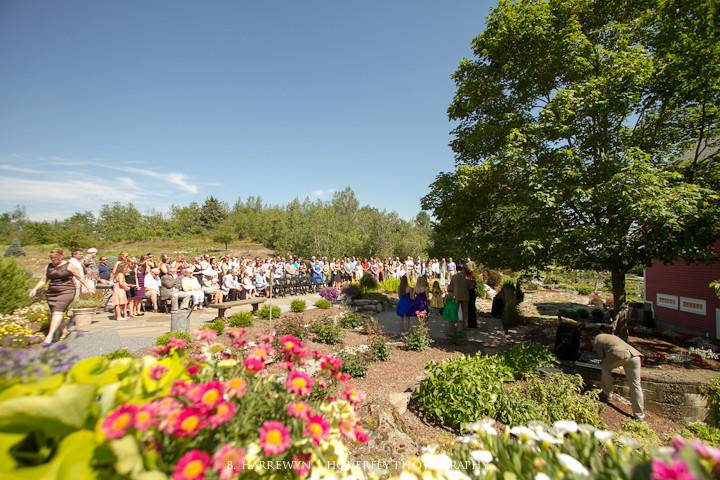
99, 343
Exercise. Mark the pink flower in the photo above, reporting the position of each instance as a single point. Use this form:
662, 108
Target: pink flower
157, 372
193, 369
236, 387
235, 332
331, 362
290, 343
206, 334
192, 466
207, 395
223, 413
189, 422
146, 417
177, 343
262, 352
347, 429
274, 438
299, 383
179, 387
360, 434
253, 365
317, 428
677, 471
267, 338
229, 461
301, 463
353, 395
119, 422
300, 410
160, 350
706, 451
238, 343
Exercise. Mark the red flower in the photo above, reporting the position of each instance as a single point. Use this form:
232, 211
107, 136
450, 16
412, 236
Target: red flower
192, 466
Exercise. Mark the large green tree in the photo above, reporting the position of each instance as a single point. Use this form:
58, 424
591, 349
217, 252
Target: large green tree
586, 136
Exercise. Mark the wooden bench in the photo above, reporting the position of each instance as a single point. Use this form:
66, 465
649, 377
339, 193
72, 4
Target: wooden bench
236, 303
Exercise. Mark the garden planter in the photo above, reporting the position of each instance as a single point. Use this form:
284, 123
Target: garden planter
82, 317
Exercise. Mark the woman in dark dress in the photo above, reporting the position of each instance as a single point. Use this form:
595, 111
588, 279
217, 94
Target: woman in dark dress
61, 292
472, 311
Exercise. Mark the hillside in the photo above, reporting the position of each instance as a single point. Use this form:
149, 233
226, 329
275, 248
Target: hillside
36, 256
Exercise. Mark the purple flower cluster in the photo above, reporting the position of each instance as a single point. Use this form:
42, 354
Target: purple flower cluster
28, 365
329, 293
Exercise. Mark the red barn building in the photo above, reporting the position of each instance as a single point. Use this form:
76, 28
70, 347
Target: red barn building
682, 298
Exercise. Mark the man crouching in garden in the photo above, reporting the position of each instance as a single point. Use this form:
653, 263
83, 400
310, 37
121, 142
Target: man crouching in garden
613, 353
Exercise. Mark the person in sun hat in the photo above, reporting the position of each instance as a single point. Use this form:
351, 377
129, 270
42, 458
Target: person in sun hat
192, 285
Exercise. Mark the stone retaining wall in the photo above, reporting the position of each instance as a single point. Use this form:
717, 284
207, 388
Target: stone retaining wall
669, 394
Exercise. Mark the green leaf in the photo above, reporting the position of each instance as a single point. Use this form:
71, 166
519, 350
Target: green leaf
71, 461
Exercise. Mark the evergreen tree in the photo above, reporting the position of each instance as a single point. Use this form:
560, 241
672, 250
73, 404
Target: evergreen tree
212, 213
16, 283
15, 250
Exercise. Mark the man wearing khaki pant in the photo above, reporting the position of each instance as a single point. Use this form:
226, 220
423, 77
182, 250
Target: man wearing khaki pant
614, 352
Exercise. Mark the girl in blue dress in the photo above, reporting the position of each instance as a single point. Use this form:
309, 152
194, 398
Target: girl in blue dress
405, 306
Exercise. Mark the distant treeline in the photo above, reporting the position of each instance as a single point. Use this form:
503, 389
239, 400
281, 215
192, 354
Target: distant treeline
334, 228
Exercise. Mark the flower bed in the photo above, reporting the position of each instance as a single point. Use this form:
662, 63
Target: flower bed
267, 408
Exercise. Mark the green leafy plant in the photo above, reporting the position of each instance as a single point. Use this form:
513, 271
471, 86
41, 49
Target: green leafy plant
711, 391
119, 353
368, 283
293, 325
218, 325
389, 285
15, 282
241, 319
584, 290
641, 432
165, 338
14, 250
323, 304
351, 320
461, 390
379, 350
326, 331
354, 365
525, 358
706, 433
417, 338
264, 312
298, 305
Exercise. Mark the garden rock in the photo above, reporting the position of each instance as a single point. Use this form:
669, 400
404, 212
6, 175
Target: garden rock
389, 434
399, 401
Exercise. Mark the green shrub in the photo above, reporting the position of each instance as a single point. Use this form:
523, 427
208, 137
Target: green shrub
264, 312
325, 331
706, 433
165, 338
352, 291
323, 304
218, 325
524, 359
119, 353
417, 338
379, 350
571, 314
241, 319
462, 389
15, 282
298, 305
377, 296
368, 283
351, 320
354, 365
389, 285
493, 278
711, 391
513, 407
292, 325
641, 432
584, 290
582, 314
14, 250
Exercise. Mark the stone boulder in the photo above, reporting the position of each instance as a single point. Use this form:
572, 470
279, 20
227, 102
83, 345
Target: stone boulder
389, 435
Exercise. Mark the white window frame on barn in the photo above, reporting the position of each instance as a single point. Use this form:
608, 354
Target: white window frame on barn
697, 310
672, 298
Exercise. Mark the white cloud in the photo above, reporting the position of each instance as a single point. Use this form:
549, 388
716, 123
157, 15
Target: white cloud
129, 182
323, 193
13, 168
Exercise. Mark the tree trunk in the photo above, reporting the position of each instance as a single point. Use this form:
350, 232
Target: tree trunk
618, 288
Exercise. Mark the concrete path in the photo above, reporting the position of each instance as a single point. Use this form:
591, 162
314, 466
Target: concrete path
105, 334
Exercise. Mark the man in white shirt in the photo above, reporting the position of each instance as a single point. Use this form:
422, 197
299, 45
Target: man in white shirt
152, 287
77, 260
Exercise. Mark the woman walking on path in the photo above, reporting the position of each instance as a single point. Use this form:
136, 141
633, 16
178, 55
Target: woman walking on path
61, 291
472, 296
405, 307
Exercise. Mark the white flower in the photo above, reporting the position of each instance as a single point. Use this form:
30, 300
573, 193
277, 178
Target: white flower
407, 476
541, 476
666, 451
432, 448
628, 441
585, 428
482, 456
572, 465
485, 426
538, 426
565, 426
547, 438
466, 439
456, 475
523, 433
604, 435
437, 462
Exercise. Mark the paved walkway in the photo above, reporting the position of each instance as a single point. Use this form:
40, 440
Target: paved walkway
105, 334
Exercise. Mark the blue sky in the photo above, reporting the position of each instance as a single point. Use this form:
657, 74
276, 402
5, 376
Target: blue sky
161, 102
